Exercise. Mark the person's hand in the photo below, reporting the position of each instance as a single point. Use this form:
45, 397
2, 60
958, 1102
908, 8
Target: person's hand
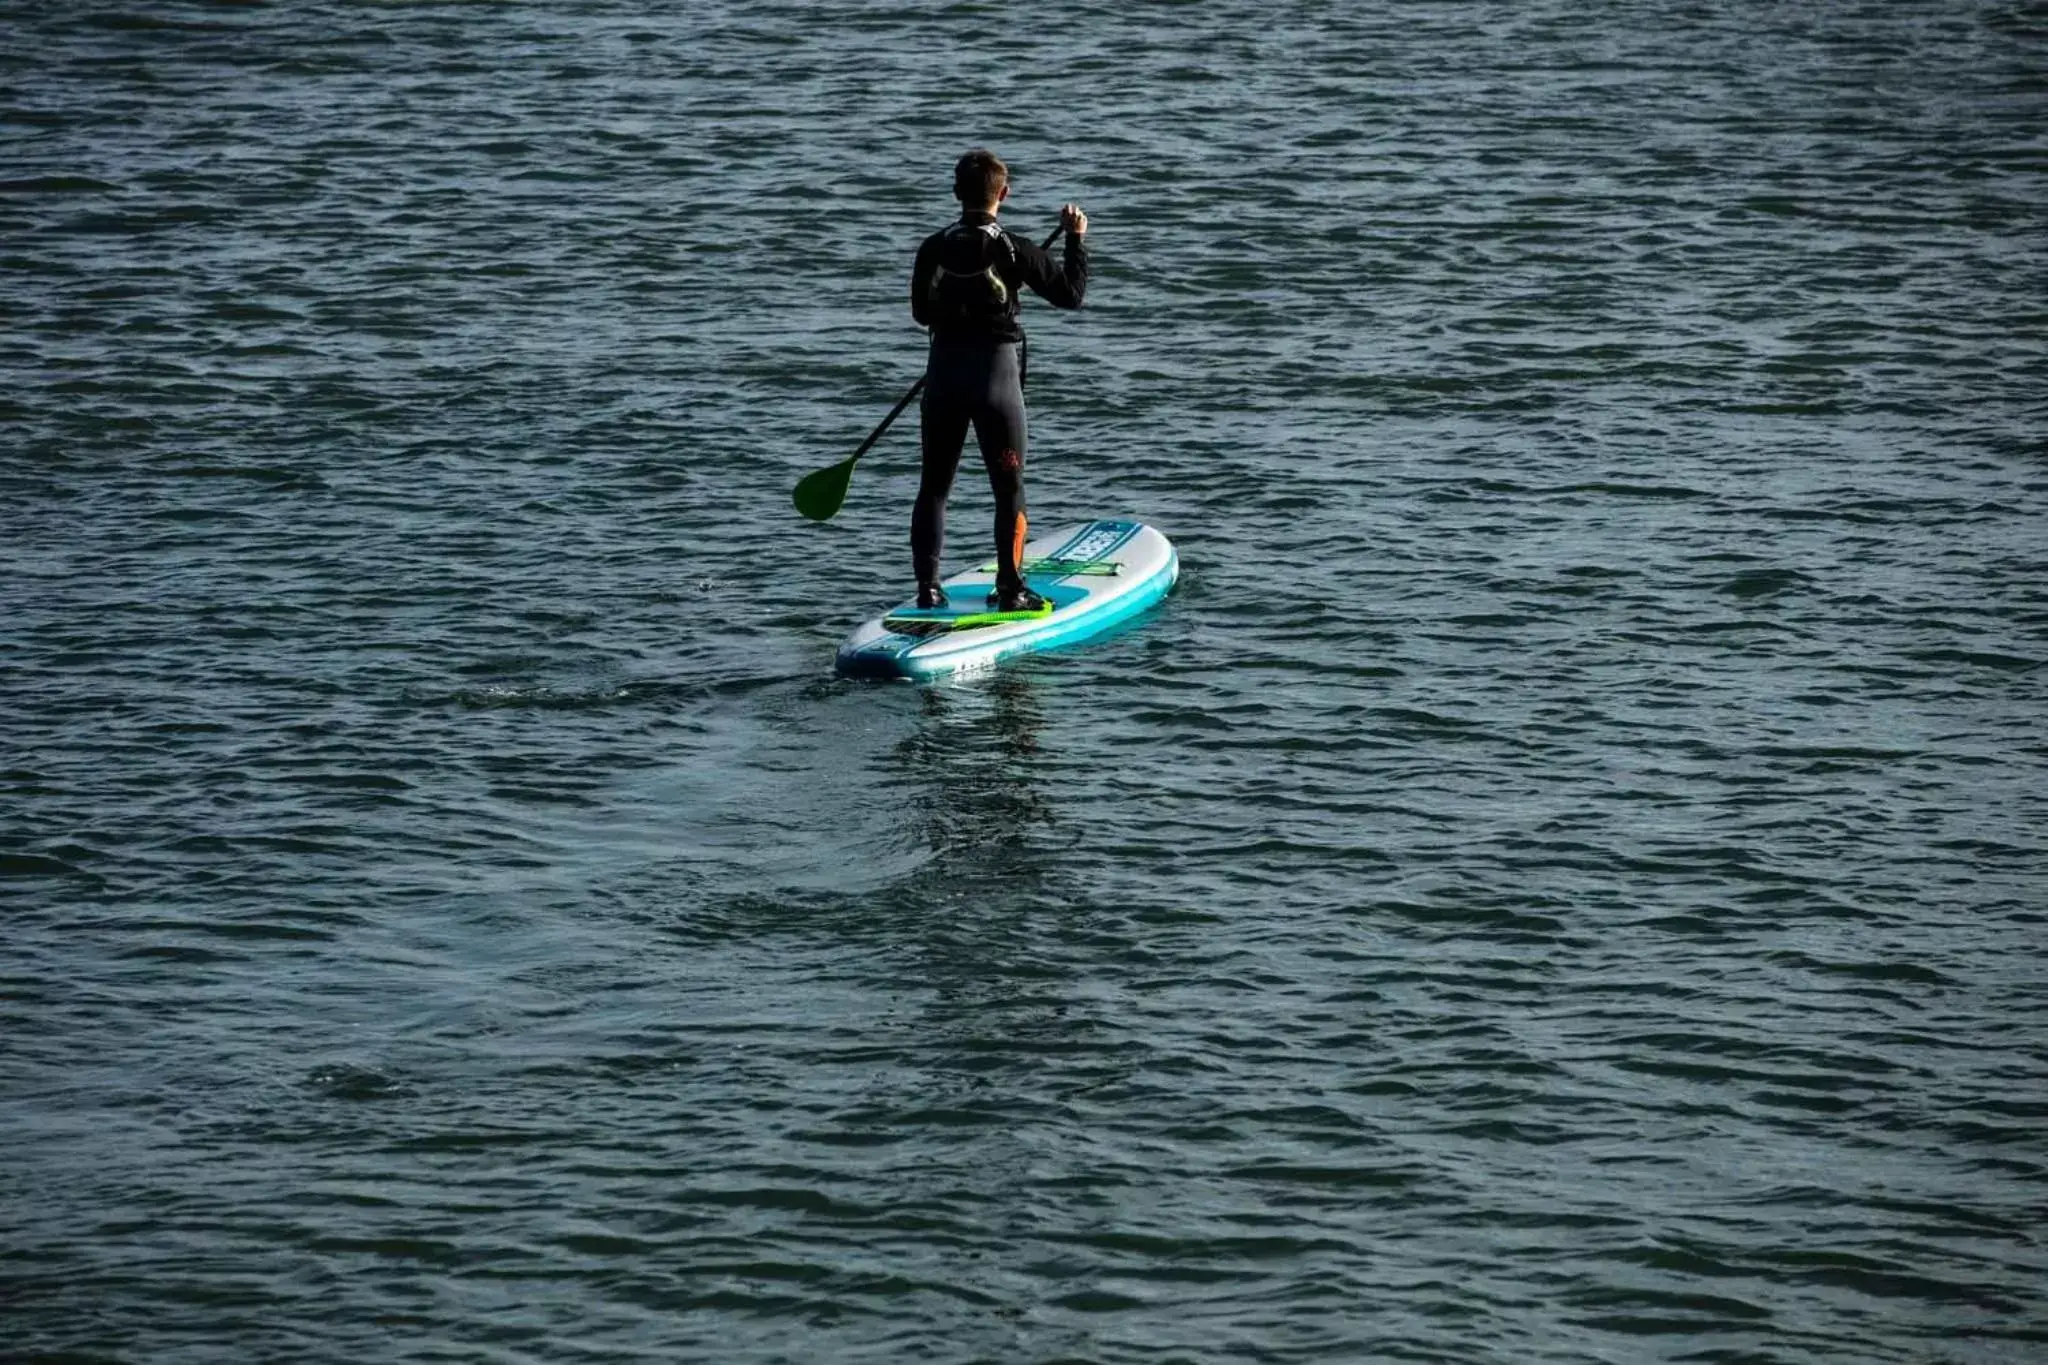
1073, 220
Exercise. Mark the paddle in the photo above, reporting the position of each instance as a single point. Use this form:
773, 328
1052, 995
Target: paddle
820, 493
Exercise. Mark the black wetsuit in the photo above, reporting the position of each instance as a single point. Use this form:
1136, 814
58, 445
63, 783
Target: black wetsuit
975, 374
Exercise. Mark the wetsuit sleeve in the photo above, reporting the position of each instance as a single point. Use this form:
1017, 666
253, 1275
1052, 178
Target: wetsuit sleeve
920, 280
1063, 285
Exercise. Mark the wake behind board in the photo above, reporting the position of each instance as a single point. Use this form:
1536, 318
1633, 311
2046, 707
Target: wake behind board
1093, 576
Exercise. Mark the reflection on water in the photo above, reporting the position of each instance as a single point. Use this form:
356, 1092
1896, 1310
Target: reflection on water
991, 917
971, 770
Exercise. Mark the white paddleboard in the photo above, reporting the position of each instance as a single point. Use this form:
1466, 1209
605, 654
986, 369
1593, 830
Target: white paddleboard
1095, 575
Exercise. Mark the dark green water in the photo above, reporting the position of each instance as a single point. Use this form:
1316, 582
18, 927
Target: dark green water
1562, 879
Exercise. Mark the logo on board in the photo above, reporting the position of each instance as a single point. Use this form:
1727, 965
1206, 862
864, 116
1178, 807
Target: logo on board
1099, 540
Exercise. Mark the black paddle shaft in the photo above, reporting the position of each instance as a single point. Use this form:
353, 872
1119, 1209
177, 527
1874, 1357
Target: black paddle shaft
1024, 346
894, 413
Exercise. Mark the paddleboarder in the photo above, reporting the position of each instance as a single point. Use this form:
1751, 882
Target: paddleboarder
965, 288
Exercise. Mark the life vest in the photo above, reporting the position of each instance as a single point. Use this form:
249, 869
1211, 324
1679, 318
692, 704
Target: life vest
967, 290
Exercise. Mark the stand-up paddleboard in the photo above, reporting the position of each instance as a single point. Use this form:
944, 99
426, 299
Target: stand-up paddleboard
1092, 577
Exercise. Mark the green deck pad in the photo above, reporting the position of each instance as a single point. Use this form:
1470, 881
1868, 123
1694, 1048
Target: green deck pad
1062, 568
916, 623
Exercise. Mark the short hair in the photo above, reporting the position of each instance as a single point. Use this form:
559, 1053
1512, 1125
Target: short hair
979, 177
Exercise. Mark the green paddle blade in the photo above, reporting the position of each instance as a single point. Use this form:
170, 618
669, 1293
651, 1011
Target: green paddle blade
820, 493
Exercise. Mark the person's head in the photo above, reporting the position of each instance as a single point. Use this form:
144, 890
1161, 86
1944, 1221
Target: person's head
980, 180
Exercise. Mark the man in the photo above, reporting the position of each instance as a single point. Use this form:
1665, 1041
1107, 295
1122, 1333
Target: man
965, 288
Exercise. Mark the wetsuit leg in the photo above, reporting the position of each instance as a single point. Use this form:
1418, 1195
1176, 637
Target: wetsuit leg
942, 431
999, 429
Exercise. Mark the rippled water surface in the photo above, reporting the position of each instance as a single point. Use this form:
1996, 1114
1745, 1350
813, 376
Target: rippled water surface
1561, 879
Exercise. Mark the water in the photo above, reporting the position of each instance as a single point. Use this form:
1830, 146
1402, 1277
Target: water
1562, 879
